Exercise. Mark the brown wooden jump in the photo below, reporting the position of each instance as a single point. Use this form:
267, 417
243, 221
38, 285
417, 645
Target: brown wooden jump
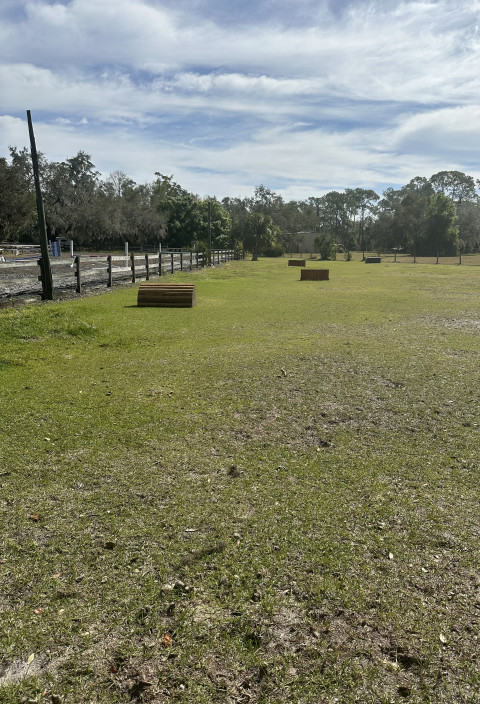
166, 295
297, 262
315, 275
373, 260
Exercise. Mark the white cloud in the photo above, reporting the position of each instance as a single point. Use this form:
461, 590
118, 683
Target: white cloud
374, 93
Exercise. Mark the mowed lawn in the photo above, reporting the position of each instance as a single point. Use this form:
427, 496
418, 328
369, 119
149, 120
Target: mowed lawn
270, 497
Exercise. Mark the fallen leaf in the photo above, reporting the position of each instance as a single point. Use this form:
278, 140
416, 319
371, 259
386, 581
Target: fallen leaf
56, 576
38, 611
191, 530
35, 517
390, 555
442, 638
167, 640
31, 658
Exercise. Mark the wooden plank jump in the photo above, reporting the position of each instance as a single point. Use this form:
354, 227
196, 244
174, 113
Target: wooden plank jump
297, 262
315, 275
373, 260
166, 295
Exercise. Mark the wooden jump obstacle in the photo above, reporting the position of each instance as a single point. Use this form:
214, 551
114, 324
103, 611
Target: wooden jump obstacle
297, 262
166, 295
373, 260
315, 275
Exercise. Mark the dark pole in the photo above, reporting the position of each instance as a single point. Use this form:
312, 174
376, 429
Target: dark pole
47, 282
210, 230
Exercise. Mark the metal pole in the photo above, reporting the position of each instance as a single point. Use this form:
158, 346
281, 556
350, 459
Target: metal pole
47, 282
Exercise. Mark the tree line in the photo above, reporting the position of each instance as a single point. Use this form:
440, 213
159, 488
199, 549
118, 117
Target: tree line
439, 215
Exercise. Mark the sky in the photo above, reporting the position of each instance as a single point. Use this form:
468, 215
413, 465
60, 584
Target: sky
302, 96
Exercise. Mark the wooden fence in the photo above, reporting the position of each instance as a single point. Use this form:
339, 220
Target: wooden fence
146, 265
96, 271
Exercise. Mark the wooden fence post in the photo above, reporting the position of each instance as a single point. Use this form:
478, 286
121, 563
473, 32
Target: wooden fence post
196, 257
181, 261
191, 261
46, 270
160, 263
77, 274
109, 271
173, 264
147, 268
132, 266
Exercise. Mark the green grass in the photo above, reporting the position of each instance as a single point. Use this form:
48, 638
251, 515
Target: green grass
270, 497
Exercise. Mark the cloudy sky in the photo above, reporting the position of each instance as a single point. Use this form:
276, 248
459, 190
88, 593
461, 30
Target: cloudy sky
303, 96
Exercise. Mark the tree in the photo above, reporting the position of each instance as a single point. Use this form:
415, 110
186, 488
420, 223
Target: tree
325, 246
468, 214
360, 202
259, 232
455, 184
410, 218
441, 234
220, 225
70, 190
17, 204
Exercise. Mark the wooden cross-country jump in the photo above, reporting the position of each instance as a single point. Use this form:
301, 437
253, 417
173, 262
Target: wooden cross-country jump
166, 295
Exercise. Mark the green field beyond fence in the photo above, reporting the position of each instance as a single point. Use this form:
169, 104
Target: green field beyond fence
269, 497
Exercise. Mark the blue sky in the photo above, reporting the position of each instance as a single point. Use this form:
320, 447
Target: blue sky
301, 96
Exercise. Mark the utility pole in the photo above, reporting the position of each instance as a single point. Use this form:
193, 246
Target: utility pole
46, 271
210, 230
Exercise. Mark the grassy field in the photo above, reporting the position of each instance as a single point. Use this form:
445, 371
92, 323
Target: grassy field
270, 497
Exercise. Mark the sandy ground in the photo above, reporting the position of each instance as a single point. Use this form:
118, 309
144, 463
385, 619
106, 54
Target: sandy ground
19, 282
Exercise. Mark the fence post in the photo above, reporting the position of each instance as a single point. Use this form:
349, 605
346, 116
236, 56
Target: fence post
147, 268
173, 264
77, 274
160, 263
191, 261
181, 261
132, 267
196, 257
109, 271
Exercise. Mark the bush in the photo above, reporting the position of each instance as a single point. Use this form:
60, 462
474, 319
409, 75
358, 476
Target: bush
326, 248
273, 250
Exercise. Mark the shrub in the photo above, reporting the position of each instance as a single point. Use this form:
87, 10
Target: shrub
325, 247
273, 250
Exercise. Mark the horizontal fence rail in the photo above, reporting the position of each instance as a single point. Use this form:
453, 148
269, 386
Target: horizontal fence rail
96, 271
